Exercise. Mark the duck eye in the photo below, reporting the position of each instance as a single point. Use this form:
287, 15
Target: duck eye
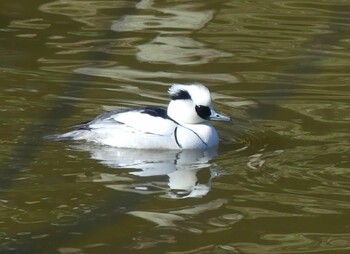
203, 111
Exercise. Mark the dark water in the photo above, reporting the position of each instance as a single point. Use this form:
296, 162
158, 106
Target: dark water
279, 182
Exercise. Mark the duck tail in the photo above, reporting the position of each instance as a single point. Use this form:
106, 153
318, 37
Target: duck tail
69, 136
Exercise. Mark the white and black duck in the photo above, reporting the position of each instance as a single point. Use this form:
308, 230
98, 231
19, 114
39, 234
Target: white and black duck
183, 125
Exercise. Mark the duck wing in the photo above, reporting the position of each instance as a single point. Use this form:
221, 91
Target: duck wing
149, 120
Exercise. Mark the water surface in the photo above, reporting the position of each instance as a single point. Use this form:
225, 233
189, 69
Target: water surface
279, 181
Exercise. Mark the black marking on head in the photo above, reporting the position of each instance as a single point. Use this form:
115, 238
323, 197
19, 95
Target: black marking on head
203, 111
181, 95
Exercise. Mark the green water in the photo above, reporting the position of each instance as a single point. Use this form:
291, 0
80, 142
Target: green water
279, 181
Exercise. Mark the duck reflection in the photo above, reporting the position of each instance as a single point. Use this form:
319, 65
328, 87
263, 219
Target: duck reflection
180, 167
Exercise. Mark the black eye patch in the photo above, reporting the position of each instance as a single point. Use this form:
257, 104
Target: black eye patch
203, 111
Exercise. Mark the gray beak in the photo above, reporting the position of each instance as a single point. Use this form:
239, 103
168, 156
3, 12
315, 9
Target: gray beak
218, 117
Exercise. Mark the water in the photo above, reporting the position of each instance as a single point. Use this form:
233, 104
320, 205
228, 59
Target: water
279, 182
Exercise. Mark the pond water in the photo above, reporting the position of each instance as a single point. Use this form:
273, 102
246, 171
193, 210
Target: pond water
279, 181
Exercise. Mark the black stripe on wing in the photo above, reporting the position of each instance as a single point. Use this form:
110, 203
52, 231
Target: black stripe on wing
152, 111
156, 112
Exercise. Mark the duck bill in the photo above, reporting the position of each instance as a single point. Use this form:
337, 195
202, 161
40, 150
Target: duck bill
218, 117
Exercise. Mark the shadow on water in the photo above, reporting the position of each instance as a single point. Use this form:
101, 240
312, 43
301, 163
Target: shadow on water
33, 134
31, 144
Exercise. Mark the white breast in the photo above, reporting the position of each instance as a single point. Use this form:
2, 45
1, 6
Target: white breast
197, 136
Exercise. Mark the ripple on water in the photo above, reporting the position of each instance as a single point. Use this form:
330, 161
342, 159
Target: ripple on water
179, 17
298, 243
178, 50
280, 182
126, 74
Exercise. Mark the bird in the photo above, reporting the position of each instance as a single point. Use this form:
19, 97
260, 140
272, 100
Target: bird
184, 124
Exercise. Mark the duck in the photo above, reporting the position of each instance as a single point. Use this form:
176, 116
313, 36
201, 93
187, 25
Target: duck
184, 124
